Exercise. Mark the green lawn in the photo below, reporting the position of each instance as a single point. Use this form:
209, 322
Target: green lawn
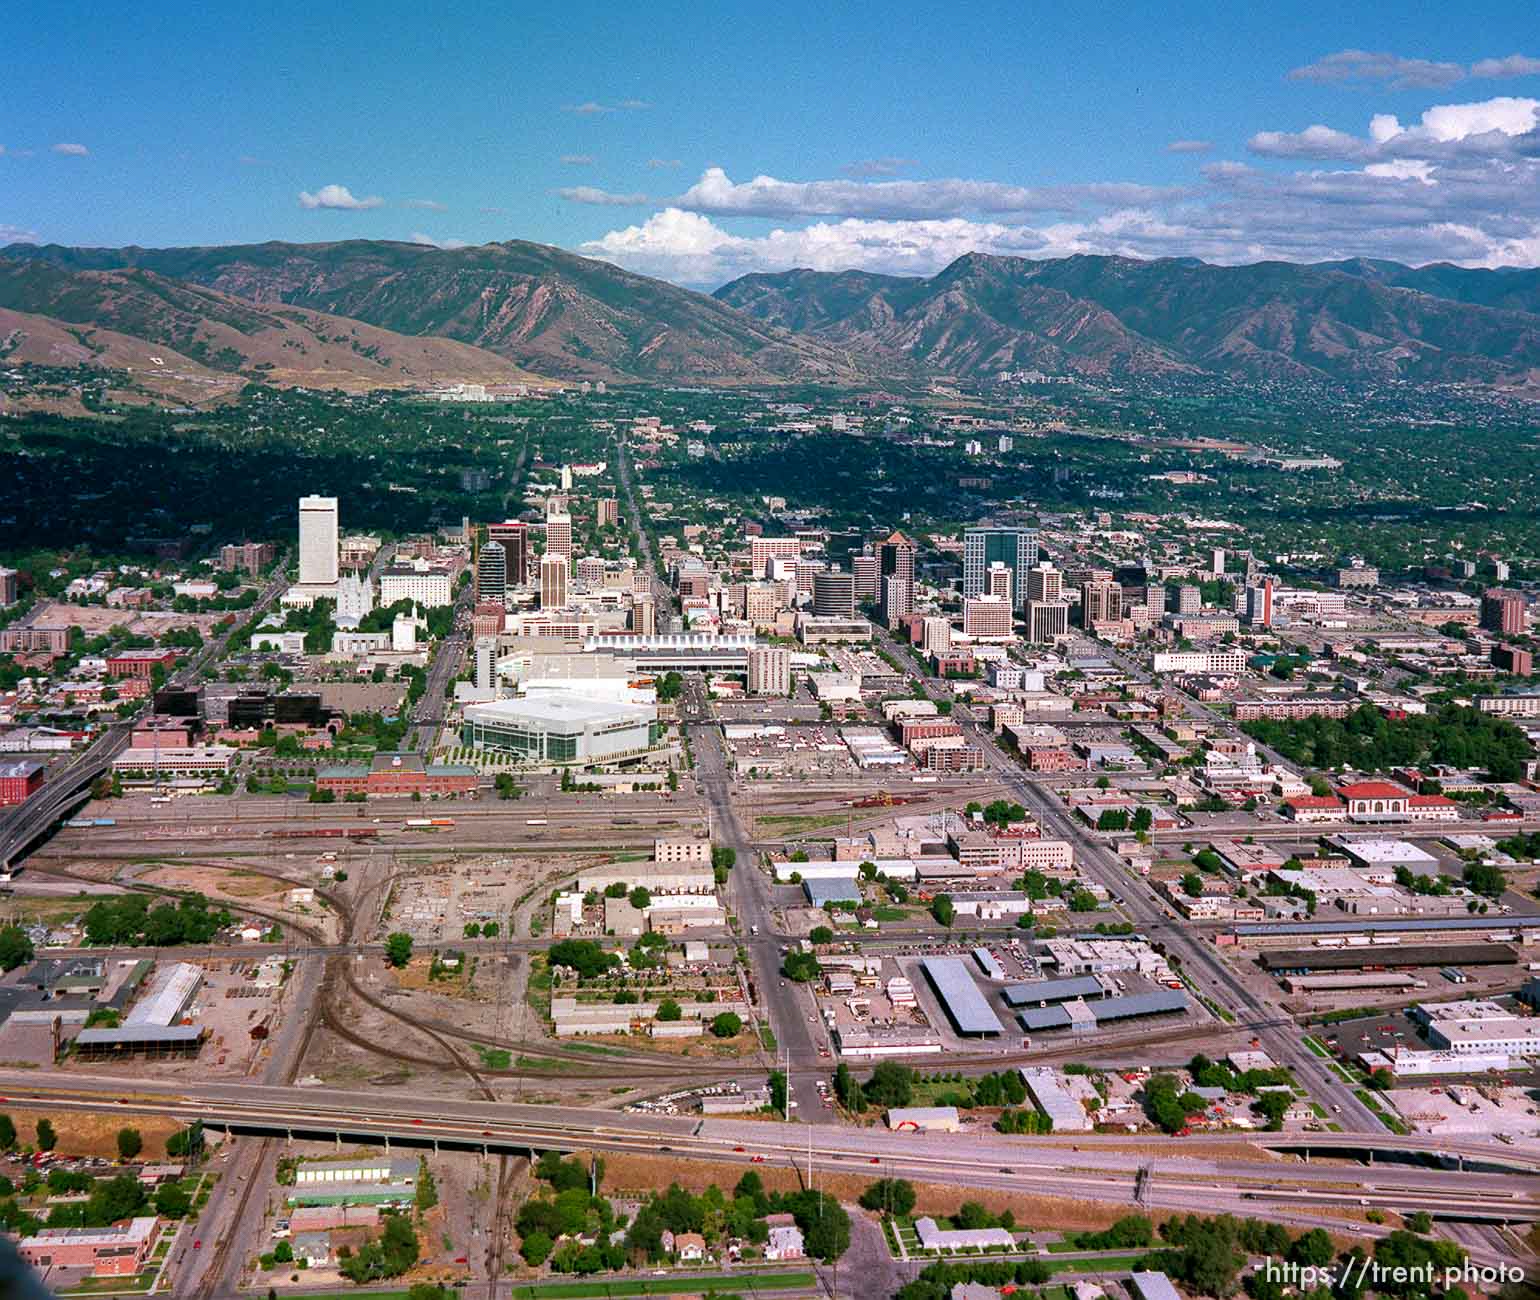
885, 912
1318, 1047
681, 1283
1101, 1264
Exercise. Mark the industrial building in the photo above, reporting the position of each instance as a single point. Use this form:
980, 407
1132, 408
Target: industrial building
1084, 1017
140, 1040
1046, 1088
372, 1169
168, 998
562, 727
1043, 992
960, 997
1384, 956
924, 1119
823, 890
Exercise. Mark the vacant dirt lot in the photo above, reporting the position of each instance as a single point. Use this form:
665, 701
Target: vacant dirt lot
93, 1133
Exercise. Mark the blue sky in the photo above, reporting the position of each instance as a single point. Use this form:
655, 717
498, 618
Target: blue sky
891, 137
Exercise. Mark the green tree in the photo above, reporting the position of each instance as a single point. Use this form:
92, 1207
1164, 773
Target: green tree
820, 934
172, 1201
890, 1195
800, 966
130, 1143
943, 909
536, 1248
640, 898
46, 1137
7, 1133
426, 1195
891, 1084
398, 949
15, 948
669, 1010
727, 1025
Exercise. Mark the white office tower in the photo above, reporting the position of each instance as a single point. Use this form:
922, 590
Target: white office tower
566, 478
486, 663
1216, 563
355, 598
1044, 582
644, 616
936, 635
553, 581
317, 541
558, 531
769, 670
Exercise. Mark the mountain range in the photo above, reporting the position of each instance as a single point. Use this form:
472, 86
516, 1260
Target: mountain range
366, 313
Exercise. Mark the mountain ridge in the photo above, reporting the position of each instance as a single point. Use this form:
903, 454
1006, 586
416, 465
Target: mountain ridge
569, 317
549, 310
1097, 314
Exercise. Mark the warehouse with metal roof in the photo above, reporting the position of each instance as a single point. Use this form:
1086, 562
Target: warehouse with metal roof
960, 997
1084, 1016
1385, 956
832, 889
140, 1040
168, 998
1411, 925
988, 964
1060, 990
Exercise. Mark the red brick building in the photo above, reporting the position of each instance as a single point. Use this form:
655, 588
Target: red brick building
139, 663
398, 775
108, 1252
1052, 758
18, 779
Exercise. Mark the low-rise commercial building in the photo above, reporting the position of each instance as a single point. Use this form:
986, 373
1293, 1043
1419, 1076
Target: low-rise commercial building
119, 1251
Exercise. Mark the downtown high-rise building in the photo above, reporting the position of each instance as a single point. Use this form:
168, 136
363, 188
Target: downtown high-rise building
1503, 611
558, 530
863, 568
513, 536
895, 565
769, 671
834, 594
317, 541
1101, 601
553, 581
492, 572
1044, 583
1016, 548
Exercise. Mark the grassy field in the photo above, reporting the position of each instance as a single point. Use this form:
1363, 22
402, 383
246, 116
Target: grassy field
792, 824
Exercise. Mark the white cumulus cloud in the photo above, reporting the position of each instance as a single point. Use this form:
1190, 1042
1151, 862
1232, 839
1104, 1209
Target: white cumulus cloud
418, 237
716, 194
427, 205
337, 196
1490, 128
71, 150
1190, 146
